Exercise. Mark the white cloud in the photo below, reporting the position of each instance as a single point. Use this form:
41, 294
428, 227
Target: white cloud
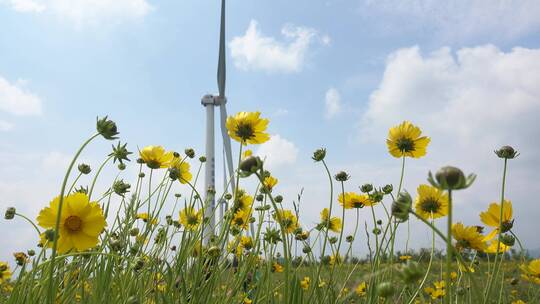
17, 101
458, 18
278, 151
5, 126
86, 12
470, 103
27, 6
254, 51
332, 102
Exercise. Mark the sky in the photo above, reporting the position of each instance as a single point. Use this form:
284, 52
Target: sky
335, 74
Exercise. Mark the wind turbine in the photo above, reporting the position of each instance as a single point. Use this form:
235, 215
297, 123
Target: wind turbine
209, 102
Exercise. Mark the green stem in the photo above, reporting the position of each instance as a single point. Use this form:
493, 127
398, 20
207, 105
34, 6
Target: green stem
51, 287
449, 250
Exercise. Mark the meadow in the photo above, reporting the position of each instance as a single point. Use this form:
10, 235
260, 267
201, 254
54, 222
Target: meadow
119, 246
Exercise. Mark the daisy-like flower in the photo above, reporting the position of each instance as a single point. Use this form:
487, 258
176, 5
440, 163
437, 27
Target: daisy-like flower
334, 223
468, 237
81, 222
190, 218
287, 219
155, 157
241, 219
361, 289
405, 258
431, 202
276, 267
351, 200
304, 284
437, 291
246, 242
5, 272
406, 140
269, 183
182, 167
492, 217
146, 218
243, 201
531, 272
247, 128
492, 247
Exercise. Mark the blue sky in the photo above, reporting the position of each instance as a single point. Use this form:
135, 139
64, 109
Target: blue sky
327, 73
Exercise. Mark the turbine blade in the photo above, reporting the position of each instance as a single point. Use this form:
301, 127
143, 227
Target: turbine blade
221, 72
227, 145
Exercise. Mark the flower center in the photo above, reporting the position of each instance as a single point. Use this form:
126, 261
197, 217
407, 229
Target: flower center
192, 219
244, 131
357, 204
430, 205
73, 223
405, 144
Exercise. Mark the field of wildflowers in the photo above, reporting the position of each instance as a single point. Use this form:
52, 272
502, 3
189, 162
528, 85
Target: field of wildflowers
87, 253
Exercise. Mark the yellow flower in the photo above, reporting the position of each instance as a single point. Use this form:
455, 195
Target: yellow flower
269, 182
155, 157
405, 140
464, 268
241, 219
492, 217
246, 242
190, 218
333, 223
361, 289
492, 248
305, 283
247, 154
405, 257
276, 267
243, 202
438, 292
5, 272
354, 200
81, 222
247, 300
287, 219
468, 237
247, 128
431, 202
146, 218
335, 259
531, 272
518, 302
184, 176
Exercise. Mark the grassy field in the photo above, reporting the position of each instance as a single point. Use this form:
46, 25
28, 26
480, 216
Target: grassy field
119, 246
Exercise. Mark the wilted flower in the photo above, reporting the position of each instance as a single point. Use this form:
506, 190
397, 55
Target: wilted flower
402, 206
120, 187
250, 165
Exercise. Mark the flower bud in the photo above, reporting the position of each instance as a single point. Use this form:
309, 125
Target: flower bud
379, 222
107, 128
410, 272
189, 152
173, 248
259, 197
507, 226
250, 165
306, 249
121, 166
120, 187
84, 168
506, 152
387, 189
333, 240
141, 175
134, 231
376, 231
278, 199
20, 258
366, 188
140, 161
202, 159
514, 281
169, 220
227, 196
177, 195
49, 235
508, 240
31, 252
10, 213
115, 245
451, 178
174, 173
349, 238
401, 206
385, 289
214, 251
319, 154
120, 153
342, 176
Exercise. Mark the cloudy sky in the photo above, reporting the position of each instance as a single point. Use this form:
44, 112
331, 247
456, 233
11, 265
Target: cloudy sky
334, 74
